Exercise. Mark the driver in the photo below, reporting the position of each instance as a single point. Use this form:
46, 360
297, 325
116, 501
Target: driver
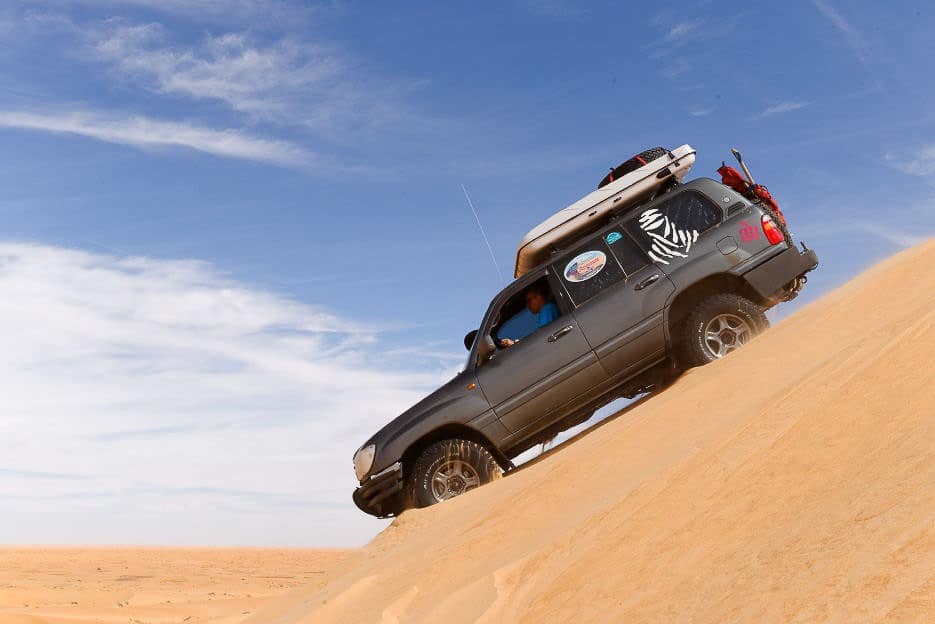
544, 310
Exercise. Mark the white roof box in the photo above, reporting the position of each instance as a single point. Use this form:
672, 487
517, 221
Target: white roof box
593, 208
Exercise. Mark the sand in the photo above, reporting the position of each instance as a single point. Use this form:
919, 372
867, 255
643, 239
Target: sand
136, 585
793, 481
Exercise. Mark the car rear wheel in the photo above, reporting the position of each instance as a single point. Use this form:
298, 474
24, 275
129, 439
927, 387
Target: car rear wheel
450, 468
717, 326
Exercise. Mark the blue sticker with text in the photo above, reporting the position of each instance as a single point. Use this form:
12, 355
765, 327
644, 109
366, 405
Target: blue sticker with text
613, 237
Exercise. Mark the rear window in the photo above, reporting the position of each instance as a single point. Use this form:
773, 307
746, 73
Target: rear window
587, 270
669, 229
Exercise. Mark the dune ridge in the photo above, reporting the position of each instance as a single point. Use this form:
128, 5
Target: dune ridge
793, 481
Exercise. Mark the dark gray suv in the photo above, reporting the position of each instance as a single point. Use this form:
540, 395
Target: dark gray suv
674, 283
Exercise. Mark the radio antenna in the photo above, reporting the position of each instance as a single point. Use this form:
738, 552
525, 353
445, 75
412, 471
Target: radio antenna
483, 233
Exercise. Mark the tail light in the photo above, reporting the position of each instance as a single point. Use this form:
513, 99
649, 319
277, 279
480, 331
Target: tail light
773, 234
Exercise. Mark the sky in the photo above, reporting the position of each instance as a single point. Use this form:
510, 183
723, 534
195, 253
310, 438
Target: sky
235, 242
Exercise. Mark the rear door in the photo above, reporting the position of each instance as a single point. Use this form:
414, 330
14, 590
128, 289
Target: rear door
534, 382
618, 306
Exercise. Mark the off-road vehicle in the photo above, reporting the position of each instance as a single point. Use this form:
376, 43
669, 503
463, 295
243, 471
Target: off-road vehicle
677, 280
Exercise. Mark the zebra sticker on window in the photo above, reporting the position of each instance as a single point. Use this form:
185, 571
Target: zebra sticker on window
667, 241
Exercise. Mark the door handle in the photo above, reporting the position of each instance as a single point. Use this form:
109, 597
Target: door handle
561, 333
646, 282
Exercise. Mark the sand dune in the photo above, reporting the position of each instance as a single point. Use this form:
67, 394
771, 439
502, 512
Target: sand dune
143, 585
793, 481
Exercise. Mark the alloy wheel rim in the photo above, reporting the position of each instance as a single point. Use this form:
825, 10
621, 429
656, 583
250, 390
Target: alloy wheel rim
726, 333
453, 478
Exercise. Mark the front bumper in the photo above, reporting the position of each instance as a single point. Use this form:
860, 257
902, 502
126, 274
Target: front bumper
776, 273
376, 493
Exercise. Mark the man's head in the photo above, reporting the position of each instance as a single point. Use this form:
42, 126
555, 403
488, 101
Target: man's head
535, 299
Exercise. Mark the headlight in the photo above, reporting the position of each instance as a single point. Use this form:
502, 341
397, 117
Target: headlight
363, 461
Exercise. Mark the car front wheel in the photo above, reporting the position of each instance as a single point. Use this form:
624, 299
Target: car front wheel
449, 468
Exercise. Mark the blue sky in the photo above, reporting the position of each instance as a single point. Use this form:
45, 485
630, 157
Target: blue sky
235, 239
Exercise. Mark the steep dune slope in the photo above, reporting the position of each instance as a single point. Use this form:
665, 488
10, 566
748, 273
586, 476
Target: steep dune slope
793, 481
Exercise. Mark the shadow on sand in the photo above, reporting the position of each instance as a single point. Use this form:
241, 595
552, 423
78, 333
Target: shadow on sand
590, 429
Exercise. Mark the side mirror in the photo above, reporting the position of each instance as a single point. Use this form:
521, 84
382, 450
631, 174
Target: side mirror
485, 348
469, 339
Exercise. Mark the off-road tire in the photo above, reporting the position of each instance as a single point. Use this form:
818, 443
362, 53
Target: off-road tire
444, 452
633, 164
691, 348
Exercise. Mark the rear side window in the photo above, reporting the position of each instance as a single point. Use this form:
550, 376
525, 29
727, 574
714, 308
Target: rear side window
669, 229
631, 258
587, 270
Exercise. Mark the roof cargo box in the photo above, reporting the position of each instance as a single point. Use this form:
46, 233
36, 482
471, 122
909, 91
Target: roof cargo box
577, 219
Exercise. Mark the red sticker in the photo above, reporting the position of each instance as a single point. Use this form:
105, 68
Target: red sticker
748, 232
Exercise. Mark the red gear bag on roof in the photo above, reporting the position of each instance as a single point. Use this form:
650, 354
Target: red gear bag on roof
732, 178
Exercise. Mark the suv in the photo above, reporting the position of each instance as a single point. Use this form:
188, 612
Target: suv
677, 282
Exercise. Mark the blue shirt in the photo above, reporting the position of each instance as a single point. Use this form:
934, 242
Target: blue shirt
547, 314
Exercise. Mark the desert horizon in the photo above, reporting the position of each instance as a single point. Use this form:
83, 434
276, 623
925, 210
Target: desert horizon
70, 584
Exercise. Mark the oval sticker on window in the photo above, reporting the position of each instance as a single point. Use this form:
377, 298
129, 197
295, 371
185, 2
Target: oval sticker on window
584, 266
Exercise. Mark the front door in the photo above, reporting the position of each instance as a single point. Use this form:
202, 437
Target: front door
538, 379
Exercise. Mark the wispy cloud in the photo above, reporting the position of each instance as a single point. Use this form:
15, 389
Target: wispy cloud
782, 107
900, 235
895, 236
701, 112
161, 379
151, 433
187, 5
36, 474
145, 133
286, 80
265, 80
681, 30
322, 94
676, 34
920, 163
214, 10
854, 38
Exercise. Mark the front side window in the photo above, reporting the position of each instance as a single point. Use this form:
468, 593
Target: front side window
668, 230
525, 312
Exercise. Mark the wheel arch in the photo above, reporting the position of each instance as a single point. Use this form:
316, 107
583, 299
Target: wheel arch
453, 431
686, 298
